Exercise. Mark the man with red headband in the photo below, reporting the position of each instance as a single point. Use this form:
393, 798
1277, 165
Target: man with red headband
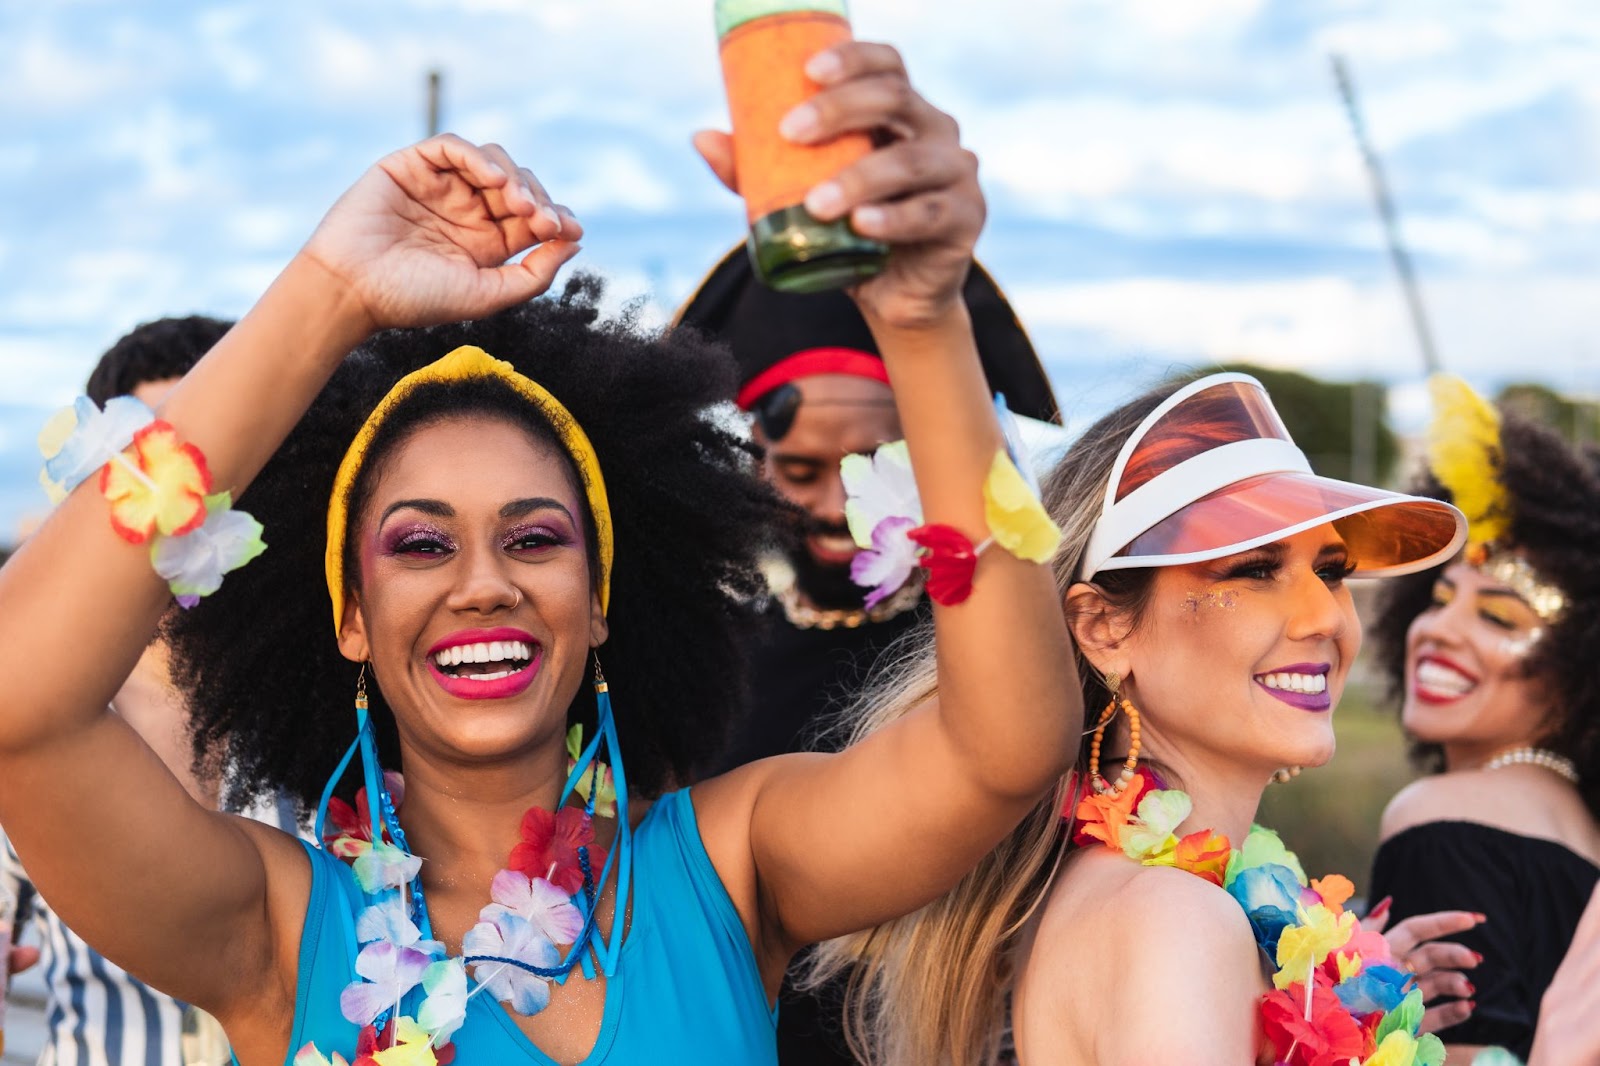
815, 386
816, 389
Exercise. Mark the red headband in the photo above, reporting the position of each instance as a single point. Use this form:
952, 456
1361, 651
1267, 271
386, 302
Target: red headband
810, 362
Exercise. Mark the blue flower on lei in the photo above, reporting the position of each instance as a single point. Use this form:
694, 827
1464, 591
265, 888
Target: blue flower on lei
511, 937
1377, 988
79, 440
1269, 894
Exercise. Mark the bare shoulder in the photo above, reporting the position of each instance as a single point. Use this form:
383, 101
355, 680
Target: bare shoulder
1526, 800
1162, 936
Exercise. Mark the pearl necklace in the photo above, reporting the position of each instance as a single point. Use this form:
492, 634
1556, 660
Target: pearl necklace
1544, 757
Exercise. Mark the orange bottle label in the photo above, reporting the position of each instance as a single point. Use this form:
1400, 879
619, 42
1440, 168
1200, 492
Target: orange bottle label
763, 65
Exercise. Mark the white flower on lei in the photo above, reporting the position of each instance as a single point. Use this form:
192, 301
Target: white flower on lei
511, 937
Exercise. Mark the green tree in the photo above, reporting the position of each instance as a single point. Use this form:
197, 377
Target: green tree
1341, 426
1577, 420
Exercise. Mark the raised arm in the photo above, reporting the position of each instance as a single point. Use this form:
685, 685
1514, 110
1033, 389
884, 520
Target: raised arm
842, 842
126, 858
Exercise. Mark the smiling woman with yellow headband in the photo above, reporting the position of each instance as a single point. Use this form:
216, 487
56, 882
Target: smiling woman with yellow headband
494, 507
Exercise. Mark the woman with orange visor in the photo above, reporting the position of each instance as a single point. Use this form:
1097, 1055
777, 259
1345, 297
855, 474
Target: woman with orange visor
1136, 916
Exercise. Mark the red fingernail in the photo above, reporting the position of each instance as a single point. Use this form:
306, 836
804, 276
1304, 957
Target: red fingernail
1471, 989
1381, 908
1477, 956
1481, 918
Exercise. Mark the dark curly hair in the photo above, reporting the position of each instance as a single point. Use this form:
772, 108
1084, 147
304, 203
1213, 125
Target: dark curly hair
154, 351
258, 662
1555, 503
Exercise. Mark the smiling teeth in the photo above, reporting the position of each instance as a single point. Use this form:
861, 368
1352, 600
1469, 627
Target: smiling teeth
1441, 678
493, 652
1311, 684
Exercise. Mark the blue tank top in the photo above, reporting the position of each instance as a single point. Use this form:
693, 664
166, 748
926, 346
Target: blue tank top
687, 988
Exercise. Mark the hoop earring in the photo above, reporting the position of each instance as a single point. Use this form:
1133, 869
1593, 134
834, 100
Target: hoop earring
1131, 763
1284, 776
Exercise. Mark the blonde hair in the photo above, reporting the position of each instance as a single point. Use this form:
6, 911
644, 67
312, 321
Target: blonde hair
931, 988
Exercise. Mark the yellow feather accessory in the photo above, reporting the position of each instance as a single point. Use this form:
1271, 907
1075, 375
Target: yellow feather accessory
1464, 454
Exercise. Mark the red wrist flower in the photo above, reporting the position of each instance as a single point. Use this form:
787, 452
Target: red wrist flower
949, 559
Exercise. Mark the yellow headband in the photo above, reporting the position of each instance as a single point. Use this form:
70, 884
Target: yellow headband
464, 363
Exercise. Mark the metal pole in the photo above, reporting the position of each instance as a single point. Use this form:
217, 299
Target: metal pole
1387, 213
434, 77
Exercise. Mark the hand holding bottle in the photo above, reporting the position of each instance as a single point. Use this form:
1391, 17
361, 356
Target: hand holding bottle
917, 192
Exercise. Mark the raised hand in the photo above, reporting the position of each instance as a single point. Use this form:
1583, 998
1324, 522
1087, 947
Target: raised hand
424, 236
918, 192
1439, 965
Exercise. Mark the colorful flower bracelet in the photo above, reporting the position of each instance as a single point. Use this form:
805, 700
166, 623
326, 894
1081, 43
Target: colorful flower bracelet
159, 488
884, 513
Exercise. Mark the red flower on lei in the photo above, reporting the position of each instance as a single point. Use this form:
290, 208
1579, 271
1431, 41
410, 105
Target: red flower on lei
549, 847
1332, 1036
348, 835
370, 1043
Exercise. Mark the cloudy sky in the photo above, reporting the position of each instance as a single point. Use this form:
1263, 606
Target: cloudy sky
1171, 181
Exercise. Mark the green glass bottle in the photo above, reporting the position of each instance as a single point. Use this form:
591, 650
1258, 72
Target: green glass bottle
764, 46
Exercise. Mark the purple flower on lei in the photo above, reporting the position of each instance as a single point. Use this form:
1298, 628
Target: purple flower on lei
511, 937
878, 488
889, 562
534, 900
390, 971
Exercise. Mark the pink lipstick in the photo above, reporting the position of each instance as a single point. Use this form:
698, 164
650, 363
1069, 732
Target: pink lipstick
485, 664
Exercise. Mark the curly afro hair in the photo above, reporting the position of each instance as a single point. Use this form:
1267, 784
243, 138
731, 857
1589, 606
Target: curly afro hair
1555, 501
258, 662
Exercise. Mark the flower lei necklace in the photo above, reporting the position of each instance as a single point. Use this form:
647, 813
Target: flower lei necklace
546, 896
1337, 997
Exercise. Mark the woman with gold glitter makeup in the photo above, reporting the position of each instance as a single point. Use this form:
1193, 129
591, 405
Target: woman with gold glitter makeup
1493, 658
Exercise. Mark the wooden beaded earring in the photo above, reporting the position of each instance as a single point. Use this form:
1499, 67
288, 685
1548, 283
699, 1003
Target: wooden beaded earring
1131, 763
1284, 776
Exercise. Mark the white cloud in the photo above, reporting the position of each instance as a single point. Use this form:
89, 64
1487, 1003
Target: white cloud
1186, 167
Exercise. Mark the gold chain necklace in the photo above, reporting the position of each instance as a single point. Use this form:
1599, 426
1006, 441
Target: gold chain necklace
804, 616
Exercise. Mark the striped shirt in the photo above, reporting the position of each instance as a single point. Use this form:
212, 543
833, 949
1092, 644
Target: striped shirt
98, 1014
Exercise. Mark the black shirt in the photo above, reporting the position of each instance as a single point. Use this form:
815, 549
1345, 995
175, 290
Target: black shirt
802, 678
1533, 892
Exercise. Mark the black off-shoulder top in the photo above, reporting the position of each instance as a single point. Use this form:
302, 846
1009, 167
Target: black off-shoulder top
1532, 890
